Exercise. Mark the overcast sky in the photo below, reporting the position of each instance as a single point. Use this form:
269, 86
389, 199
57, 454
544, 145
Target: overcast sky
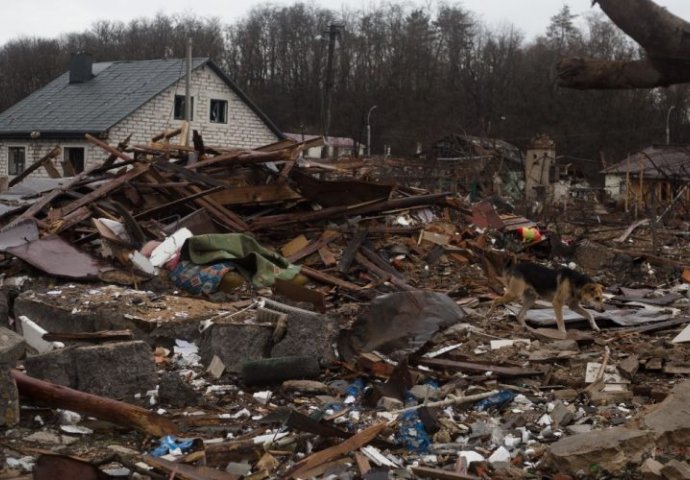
49, 18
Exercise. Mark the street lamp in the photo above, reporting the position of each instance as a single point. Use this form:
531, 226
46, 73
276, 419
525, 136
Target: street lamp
668, 128
369, 130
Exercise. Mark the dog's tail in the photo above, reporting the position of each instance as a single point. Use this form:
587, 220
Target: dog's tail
495, 264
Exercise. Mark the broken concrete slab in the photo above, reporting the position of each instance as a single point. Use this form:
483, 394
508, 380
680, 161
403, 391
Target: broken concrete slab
676, 470
77, 308
651, 469
628, 367
12, 347
114, 370
235, 344
311, 335
670, 419
610, 450
562, 415
174, 391
9, 398
55, 367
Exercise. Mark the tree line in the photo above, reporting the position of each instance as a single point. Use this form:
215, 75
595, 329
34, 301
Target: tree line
431, 70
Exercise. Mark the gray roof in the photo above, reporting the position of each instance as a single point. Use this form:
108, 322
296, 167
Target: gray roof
63, 109
656, 161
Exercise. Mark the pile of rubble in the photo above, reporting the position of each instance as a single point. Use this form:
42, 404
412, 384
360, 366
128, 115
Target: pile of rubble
184, 312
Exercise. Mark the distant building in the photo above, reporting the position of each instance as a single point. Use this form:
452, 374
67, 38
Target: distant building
336, 147
112, 100
660, 170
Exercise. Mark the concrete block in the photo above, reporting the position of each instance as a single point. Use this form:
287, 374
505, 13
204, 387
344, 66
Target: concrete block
56, 367
308, 335
235, 344
676, 470
12, 347
611, 449
670, 419
114, 370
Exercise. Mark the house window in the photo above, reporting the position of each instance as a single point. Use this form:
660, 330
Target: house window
219, 111
16, 157
74, 158
179, 108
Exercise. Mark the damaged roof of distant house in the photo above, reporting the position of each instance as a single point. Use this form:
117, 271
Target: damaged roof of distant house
458, 145
656, 161
64, 109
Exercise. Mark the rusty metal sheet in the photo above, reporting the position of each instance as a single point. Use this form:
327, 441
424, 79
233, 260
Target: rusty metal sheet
19, 234
484, 216
54, 256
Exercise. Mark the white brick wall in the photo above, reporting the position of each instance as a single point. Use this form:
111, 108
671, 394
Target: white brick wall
243, 129
37, 149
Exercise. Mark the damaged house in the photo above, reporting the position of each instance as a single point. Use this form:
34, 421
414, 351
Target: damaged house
658, 171
111, 100
473, 161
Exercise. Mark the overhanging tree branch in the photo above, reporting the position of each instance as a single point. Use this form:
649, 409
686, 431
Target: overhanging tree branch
664, 37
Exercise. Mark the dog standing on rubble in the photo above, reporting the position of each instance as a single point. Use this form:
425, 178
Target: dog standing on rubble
529, 281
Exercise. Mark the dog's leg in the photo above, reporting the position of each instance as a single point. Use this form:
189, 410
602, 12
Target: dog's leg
558, 308
502, 300
528, 300
577, 308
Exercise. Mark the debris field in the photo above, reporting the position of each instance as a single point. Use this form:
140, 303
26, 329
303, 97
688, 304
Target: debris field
252, 314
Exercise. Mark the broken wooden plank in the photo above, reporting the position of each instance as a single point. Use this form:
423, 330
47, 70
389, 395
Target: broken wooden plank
104, 335
376, 259
112, 150
329, 279
374, 206
327, 256
255, 194
437, 473
295, 245
166, 135
326, 237
353, 443
351, 251
114, 411
300, 293
105, 188
381, 273
473, 367
188, 472
43, 161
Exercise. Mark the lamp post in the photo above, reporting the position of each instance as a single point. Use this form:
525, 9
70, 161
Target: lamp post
668, 128
369, 130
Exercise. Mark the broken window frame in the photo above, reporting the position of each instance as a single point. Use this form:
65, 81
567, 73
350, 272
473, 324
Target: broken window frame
218, 111
66, 158
178, 108
11, 162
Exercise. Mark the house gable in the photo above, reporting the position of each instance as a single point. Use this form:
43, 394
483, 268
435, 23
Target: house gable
244, 128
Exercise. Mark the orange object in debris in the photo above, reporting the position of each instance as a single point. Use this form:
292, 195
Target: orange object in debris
686, 275
529, 234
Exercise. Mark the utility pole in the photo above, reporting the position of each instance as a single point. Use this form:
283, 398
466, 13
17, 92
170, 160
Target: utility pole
188, 92
333, 32
369, 130
668, 127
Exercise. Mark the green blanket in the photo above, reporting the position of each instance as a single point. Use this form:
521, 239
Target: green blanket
260, 264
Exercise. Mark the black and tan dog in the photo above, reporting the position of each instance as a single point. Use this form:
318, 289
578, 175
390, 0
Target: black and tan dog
529, 281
